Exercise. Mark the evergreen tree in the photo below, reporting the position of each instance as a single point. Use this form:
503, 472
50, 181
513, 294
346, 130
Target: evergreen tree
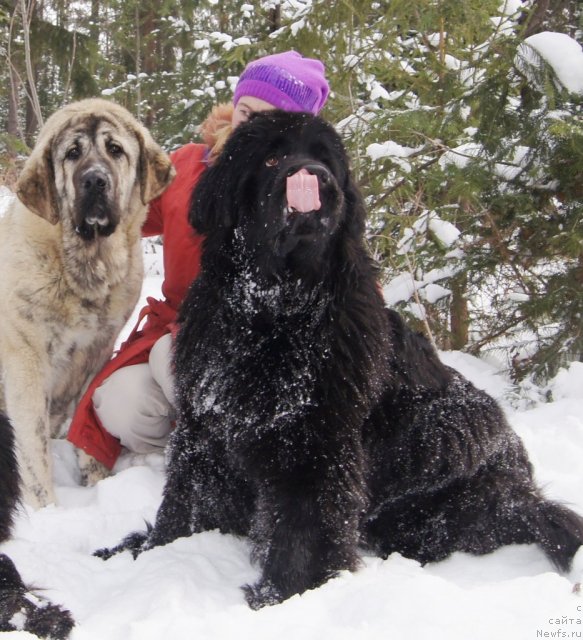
467, 146
469, 152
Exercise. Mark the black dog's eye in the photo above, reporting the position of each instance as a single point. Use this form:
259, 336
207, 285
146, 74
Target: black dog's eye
272, 161
73, 153
114, 149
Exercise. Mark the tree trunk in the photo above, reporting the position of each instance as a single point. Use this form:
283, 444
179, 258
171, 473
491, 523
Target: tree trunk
33, 110
549, 15
274, 18
459, 315
12, 125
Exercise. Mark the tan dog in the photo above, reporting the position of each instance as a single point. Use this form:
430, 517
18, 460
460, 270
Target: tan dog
71, 261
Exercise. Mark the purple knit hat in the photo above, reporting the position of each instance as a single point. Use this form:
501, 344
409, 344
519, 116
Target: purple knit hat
285, 80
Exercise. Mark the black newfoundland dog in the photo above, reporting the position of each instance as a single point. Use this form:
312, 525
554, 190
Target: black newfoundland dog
20, 609
311, 419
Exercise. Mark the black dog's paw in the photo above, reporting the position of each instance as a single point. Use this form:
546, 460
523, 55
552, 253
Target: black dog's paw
262, 594
23, 611
49, 621
134, 542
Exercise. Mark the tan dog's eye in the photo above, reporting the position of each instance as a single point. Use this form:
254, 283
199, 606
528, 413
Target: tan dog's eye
73, 153
272, 161
114, 149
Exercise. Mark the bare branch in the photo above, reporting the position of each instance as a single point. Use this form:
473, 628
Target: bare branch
26, 18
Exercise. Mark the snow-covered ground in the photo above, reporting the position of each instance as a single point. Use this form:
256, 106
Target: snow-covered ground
190, 588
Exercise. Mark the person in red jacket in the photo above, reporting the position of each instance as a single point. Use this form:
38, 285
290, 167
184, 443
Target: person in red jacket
129, 403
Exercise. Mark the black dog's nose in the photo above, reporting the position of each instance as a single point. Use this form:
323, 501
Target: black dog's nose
319, 170
94, 180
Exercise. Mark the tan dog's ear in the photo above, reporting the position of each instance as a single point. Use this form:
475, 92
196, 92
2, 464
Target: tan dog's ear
156, 171
36, 185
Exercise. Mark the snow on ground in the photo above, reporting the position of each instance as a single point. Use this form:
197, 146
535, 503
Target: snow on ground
190, 588
6, 197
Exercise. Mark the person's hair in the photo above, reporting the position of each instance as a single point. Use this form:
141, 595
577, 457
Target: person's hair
217, 128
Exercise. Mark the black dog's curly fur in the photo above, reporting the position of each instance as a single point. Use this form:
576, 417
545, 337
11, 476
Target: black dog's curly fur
20, 609
311, 419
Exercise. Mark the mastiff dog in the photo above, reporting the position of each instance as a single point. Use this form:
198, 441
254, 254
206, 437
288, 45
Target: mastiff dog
310, 418
71, 260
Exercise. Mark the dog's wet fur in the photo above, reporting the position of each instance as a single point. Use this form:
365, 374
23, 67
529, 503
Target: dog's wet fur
310, 417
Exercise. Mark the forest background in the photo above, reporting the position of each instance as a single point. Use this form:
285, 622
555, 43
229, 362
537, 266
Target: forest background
466, 142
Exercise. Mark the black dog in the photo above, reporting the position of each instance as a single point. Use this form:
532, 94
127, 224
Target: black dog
20, 609
310, 418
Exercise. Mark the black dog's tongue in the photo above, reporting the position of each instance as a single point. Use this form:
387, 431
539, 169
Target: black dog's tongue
302, 192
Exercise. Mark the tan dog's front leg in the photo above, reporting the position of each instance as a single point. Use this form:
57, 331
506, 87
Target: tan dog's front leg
92, 471
27, 406
36, 467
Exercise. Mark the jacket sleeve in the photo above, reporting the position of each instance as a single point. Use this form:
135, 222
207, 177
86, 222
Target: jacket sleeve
154, 225
185, 161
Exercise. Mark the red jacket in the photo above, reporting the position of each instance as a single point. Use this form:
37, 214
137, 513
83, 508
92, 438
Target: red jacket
167, 216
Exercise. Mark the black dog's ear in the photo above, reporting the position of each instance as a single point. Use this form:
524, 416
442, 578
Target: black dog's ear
355, 208
217, 197
212, 203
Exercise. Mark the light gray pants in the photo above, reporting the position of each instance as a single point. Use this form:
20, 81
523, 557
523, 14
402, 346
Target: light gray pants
136, 403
